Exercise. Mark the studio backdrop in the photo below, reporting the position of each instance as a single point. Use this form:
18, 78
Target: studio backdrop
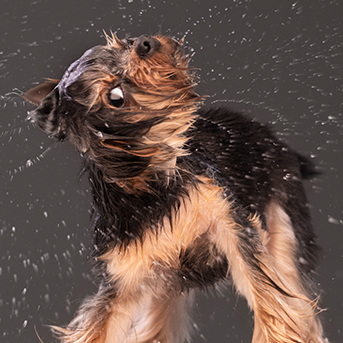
278, 61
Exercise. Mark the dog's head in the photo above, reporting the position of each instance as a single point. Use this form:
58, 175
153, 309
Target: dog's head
125, 105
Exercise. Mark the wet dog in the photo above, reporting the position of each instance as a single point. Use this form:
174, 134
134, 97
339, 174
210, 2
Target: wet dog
183, 198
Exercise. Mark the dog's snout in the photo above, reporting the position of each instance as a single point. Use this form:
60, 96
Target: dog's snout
146, 46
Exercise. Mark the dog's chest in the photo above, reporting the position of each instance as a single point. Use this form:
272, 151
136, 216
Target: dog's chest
182, 254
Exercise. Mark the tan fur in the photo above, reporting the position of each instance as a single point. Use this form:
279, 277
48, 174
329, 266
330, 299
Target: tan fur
159, 318
114, 41
282, 246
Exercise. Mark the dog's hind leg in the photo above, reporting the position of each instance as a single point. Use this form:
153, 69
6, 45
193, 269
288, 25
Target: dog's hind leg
263, 268
281, 245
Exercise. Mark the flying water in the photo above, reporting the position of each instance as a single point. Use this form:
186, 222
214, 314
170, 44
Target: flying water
280, 63
11, 101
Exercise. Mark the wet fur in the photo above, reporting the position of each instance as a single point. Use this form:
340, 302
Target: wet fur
183, 198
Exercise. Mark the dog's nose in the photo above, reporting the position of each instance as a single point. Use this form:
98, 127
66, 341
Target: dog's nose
146, 46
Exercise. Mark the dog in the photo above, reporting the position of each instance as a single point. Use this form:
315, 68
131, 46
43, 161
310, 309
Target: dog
184, 197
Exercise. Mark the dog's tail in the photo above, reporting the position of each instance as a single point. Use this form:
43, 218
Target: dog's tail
307, 167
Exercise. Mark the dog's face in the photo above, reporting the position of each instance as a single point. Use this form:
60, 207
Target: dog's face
128, 102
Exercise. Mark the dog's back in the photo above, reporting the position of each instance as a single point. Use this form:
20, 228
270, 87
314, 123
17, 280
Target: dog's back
255, 168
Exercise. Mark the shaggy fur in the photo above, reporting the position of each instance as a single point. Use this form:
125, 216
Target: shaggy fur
183, 198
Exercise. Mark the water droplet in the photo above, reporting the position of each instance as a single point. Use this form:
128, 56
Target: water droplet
332, 220
29, 163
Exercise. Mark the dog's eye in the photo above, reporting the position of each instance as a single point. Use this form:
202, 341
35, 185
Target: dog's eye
116, 97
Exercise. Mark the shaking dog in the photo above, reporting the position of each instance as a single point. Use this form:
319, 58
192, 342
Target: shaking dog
183, 197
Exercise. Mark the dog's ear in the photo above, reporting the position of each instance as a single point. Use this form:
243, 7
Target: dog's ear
47, 114
37, 94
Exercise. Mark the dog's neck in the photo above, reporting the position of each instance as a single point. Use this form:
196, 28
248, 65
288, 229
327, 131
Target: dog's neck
122, 216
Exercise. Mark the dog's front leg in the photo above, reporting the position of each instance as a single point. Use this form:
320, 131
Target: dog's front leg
105, 317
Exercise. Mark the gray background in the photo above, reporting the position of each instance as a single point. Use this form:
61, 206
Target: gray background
280, 61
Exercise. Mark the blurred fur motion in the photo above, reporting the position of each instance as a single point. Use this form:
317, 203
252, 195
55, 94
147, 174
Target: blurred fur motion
183, 198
